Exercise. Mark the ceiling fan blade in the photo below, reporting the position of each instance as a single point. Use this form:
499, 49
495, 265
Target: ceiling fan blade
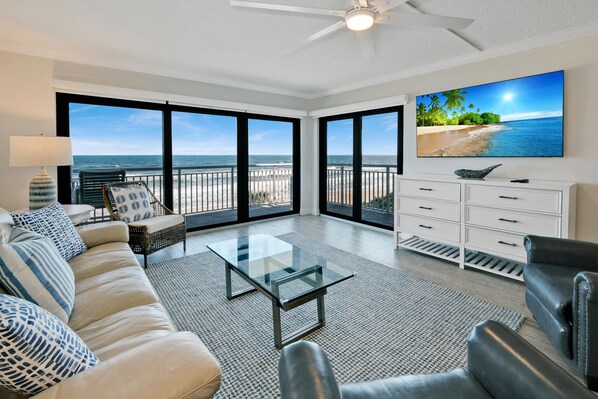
316, 36
281, 7
367, 43
381, 6
424, 20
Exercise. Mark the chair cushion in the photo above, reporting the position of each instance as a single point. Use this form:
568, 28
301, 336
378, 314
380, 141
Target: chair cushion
132, 203
553, 287
38, 350
53, 223
31, 268
159, 223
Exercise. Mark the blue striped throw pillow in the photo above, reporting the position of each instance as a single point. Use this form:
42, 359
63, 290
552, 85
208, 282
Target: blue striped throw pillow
53, 223
32, 269
37, 350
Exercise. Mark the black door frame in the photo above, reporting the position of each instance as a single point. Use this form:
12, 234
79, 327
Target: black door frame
64, 173
356, 117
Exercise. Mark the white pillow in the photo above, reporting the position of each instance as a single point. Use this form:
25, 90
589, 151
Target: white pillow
31, 268
132, 203
37, 350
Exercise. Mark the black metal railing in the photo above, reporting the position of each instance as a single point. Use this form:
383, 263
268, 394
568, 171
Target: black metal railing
200, 189
377, 186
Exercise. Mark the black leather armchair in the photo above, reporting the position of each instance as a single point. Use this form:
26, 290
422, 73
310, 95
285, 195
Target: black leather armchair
500, 365
561, 278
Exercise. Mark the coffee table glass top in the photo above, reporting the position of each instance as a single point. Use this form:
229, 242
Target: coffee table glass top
282, 270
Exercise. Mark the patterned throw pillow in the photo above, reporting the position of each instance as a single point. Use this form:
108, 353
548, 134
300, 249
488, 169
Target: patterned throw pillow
37, 350
53, 223
31, 268
132, 203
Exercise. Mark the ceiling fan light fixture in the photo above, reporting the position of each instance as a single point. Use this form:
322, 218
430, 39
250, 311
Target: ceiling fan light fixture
360, 19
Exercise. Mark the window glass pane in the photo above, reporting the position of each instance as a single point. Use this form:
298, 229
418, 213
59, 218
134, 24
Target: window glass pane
204, 150
107, 138
339, 181
270, 167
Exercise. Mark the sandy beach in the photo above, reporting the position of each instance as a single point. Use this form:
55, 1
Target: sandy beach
455, 140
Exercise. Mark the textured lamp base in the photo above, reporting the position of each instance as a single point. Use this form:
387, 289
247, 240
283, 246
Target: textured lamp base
42, 190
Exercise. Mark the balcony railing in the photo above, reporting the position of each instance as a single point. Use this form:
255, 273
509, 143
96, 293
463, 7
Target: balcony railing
377, 186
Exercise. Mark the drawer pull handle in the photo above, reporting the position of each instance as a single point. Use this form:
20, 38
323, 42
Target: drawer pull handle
510, 244
507, 220
425, 227
505, 197
427, 208
425, 189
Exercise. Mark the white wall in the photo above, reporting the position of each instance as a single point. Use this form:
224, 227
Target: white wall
578, 58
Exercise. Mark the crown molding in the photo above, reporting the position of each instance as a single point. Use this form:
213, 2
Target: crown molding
24, 49
511, 48
523, 45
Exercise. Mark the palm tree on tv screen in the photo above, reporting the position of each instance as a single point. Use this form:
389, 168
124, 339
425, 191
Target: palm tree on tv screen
454, 98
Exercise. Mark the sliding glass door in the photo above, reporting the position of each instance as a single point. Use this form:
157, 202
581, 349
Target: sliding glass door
360, 154
216, 167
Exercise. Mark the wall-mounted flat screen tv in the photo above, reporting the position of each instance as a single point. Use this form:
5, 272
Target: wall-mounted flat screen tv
514, 118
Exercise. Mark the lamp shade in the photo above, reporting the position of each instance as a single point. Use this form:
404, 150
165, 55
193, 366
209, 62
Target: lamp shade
40, 151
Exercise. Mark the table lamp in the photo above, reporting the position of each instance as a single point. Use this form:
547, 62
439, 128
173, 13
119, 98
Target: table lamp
41, 151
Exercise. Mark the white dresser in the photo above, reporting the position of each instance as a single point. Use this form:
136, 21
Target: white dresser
480, 223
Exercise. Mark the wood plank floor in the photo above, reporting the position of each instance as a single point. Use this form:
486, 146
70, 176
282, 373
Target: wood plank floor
377, 245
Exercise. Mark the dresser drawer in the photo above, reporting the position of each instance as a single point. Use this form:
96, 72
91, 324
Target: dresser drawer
516, 198
432, 228
519, 222
425, 207
495, 241
429, 189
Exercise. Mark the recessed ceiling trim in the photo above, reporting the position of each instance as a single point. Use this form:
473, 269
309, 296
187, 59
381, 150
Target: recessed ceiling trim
528, 44
523, 45
67, 86
357, 107
24, 49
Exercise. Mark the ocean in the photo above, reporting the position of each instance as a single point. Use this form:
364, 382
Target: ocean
155, 161
528, 138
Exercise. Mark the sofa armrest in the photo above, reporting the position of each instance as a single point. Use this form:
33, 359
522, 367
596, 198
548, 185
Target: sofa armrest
585, 327
304, 371
560, 251
102, 233
508, 367
172, 367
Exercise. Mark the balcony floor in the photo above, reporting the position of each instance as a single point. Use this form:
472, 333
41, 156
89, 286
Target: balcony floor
369, 215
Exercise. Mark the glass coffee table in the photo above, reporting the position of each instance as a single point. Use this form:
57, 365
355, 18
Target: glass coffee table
288, 275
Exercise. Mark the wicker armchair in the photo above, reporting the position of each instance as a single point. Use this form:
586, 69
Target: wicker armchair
153, 234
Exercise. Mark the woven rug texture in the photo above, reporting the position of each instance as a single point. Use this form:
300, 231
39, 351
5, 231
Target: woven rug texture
379, 324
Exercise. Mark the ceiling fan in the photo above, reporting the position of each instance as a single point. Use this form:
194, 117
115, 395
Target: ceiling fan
360, 16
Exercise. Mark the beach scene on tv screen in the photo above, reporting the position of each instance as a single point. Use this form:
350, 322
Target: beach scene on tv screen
513, 118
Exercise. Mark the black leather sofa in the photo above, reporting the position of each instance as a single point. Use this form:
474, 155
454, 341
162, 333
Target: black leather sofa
500, 365
561, 278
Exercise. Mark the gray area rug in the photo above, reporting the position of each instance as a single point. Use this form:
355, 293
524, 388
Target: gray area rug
381, 323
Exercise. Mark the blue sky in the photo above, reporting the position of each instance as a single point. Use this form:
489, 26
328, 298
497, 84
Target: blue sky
104, 130
531, 97
379, 135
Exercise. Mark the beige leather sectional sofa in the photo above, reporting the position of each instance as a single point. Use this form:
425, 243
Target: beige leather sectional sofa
119, 317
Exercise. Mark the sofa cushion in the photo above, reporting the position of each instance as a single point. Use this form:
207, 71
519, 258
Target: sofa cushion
31, 268
95, 234
126, 329
52, 222
6, 224
553, 286
132, 203
159, 223
108, 293
101, 259
38, 350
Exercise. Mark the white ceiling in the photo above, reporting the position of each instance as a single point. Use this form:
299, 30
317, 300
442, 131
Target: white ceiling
210, 41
